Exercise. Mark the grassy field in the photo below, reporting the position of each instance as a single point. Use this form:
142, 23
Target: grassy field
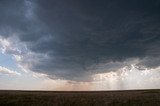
83, 98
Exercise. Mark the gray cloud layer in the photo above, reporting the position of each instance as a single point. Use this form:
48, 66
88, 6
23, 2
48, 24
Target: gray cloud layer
75, 38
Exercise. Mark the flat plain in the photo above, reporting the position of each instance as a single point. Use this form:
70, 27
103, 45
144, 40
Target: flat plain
80, 98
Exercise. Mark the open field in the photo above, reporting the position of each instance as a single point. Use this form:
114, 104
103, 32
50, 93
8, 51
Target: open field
80, 98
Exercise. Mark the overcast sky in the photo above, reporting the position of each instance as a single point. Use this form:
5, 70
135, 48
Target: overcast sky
79, 44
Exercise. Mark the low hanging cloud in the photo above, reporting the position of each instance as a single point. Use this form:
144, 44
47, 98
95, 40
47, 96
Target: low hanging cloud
74, 40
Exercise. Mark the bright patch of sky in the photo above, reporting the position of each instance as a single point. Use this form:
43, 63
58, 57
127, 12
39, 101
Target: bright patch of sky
19, 80
8, 61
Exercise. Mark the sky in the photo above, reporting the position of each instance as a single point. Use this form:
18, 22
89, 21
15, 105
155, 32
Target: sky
79, 44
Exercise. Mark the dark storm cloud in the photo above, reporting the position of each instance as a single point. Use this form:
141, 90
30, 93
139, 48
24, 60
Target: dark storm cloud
80, 35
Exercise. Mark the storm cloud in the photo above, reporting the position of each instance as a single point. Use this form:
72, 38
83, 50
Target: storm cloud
74, 39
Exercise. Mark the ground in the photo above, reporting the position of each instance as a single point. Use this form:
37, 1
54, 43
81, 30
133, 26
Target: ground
80, 98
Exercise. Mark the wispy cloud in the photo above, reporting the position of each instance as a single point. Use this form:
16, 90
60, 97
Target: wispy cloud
6, 71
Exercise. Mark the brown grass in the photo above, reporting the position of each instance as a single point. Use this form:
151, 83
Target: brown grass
88, 98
